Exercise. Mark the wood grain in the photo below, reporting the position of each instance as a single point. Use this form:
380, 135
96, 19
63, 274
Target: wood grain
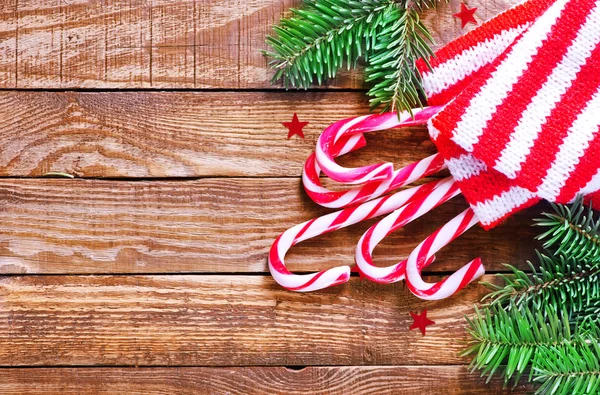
180, 134
209, 225
160, 43
222, 321
358, 380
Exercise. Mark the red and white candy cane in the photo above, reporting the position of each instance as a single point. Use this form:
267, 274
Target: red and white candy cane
329, 223
404, 215
365, 124
371, 190
432, 244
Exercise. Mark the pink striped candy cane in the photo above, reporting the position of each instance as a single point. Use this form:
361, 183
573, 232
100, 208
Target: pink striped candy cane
371, 190
329, 223
394, 221
365, 124
432, 244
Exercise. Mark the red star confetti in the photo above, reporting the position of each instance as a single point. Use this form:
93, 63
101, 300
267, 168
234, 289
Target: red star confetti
295, 127
421, 321
466, 15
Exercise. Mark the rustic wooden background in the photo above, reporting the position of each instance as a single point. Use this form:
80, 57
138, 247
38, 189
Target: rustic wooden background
146, 273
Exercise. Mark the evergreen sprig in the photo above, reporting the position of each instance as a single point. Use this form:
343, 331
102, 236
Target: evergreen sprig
572, 231
562, 361
568, 369
547, 321
509, 339
392, 66
558, 281
326, 35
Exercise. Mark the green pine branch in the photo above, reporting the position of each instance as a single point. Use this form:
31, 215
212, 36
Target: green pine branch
572, 231
513, 341
558, 281
392, 67
547, 321
508, 340
568, 369
326, 35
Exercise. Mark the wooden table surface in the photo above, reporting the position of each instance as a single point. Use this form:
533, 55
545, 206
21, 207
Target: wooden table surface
146, 273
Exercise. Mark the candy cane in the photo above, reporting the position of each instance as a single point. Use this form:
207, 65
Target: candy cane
432, 244
371, 190
413, 210
365, 124
329, 223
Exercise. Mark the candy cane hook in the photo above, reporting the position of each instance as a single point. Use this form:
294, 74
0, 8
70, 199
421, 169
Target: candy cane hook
394, 221
365, 124
329, 223
371, 190
432, 244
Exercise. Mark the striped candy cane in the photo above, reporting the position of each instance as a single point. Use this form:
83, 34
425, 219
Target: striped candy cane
404, 215
329, 223
432, 244
365, 124
371, 190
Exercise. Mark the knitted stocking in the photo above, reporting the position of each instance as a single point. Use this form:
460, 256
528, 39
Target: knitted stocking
521, 127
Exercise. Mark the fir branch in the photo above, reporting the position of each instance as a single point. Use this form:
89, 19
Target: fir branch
325, 35
568, 369
559, 281
393, 64
572, 232
520, 325
500, 337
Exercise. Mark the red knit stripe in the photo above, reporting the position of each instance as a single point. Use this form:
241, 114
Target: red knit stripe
583, 173
499, 129
593, 199
549, 141
485, 186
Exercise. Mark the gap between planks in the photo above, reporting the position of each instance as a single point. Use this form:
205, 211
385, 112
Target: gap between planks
342, 380
223, 321
56, 226
162, 43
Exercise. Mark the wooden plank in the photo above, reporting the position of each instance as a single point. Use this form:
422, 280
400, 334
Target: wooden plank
209, 225
160, 43
180, 134
358, 380
222, 321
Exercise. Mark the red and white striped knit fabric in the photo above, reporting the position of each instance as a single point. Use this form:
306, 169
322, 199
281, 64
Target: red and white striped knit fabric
523, 112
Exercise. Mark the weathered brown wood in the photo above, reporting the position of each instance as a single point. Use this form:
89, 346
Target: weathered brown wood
356, 380
159, 43
222, 321
180, 134
209, 225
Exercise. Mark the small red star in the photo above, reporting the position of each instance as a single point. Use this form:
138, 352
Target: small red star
421, 321
466, 15
295, 127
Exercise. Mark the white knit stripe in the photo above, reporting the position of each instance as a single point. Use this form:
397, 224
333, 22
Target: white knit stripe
434, 133
465, 167
578, 139
494, 209
592, 186
500, 84
535, 116
469, 61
